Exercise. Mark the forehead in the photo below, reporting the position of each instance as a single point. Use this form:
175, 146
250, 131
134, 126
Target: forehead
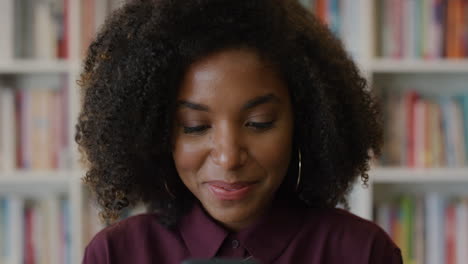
231, 75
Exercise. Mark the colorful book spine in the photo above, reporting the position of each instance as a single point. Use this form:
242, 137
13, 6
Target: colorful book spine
426, 132
464, 107
429, 228
426, 29
30, 231
41, 128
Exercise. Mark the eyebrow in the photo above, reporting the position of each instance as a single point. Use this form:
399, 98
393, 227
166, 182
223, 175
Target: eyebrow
263, 99
269, 98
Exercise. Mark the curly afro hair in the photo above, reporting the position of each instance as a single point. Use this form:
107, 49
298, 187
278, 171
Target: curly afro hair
135, 65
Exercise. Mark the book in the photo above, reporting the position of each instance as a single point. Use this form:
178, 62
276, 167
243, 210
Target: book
88, 27
409, 9
3, 231
461, 231
463, 101
411, 98
7, 131
420, 134
60, 14
434, 243
447, 127
6, 28
407, 227
418, 235
459, 135
15, 236
349, 33
334, 19
449, 221
45, 30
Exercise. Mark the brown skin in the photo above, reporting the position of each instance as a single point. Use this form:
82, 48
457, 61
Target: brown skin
228, 142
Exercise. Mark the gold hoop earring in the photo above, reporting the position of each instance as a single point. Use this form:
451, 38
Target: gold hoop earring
299, 171
168, 191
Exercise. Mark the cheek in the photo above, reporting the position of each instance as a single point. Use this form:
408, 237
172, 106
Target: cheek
188, 157
274, 158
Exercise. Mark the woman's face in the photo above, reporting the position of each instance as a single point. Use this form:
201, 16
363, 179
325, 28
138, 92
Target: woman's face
233, 135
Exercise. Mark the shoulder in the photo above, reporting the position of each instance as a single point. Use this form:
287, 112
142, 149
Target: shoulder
340, 219
343, 221
123, 236
132, 226
351, 233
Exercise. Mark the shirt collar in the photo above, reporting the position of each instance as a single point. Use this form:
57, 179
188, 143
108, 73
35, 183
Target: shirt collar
265, 240
201, 234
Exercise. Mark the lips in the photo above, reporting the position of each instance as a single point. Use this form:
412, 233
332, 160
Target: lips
229, 186
230, 191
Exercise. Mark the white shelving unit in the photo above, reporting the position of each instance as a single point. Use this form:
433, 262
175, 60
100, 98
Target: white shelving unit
34, 66
419, 66
16, 184
430, 76
436, 175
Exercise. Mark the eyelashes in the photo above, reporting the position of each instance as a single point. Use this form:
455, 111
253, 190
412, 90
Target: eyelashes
195, 129
260, 125
256, 126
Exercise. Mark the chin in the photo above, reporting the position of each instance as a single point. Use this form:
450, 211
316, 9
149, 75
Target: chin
239, 213
233, 216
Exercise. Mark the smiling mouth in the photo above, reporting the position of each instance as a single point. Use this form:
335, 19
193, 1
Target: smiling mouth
230, 191
230, 186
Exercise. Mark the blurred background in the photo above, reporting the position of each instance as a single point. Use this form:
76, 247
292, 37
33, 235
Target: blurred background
413, 52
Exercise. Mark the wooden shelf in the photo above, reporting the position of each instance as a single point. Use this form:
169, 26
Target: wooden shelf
408, 175
419, 66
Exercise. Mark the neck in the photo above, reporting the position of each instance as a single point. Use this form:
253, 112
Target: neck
236, 226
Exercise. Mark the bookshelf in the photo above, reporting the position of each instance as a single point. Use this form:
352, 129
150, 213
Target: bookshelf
50, 62
436, 76
416, 46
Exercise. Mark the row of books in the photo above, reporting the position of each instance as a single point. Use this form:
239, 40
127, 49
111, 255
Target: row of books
342, 18
35, 231
33, 132
34, 29
93, 14
429, 228
40, 29
423, 131
428, 29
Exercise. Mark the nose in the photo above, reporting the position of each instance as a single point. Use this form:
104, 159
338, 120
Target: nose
229, 151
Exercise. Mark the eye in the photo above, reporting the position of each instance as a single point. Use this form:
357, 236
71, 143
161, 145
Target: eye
260, 125
195, 129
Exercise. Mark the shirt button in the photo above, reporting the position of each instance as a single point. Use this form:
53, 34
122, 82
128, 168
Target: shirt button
235, 243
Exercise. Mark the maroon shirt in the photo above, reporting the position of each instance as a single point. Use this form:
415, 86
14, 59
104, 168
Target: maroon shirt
283, 235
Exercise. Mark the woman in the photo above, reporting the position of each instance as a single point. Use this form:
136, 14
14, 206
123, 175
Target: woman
240, 124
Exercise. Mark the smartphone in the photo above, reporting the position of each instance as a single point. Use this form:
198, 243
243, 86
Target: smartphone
219, 261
